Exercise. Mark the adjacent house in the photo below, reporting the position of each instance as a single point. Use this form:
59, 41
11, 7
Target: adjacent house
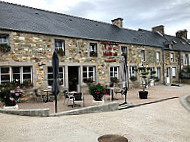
87, 48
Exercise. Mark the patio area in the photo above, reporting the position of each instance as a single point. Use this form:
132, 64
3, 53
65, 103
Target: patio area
156, 93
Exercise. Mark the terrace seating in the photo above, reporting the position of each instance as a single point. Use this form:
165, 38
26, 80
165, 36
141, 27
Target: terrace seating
38, 96
78, 97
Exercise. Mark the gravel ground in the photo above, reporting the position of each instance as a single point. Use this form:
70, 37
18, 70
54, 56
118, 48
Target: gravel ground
165, 121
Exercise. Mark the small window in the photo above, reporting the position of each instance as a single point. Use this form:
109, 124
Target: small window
185, 60
158, 72
4, 75
114, 72
89, 72
123, 50
171, 57
3, 39
60, 47
93, 50
142, 55
133, 71
60, 76
158, 56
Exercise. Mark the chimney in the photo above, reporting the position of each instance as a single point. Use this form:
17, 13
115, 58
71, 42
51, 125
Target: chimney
159, 29
118, 22
182, 34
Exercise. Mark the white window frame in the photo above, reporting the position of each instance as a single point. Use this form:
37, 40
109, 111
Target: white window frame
185, 59
158, 72
88, 71
173, 71
158, 56
142, 55
20, 72
132, 71
4, 37
63, 44
63, 68
95, 48
171, 57
113, 72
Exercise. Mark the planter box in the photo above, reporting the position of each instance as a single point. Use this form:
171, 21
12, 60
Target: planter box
143, 94
10, 107
98, 102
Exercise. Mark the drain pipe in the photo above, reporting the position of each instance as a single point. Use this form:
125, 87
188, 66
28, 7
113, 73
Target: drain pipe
163, 67
179, 54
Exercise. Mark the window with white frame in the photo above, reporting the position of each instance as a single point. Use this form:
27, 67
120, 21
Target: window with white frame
16, 74
142, 55
89, 72
133, 71
93, 49
157, 56
114, 72
123, 50
171, 57
3, 39
173, 72
60, 76
185, 59
60, 46
158, 72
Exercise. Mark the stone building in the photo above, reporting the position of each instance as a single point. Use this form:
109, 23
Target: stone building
87, 48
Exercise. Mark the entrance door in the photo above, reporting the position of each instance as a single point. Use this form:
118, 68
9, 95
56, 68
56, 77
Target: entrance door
168, 75
73, 76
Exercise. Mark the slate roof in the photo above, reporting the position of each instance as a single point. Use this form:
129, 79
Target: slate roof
27, 19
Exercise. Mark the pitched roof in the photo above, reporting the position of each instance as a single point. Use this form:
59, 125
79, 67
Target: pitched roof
27, 19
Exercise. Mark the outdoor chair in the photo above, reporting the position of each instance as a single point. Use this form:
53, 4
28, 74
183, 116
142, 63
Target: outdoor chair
67, 97
107, 93
38, 96
78, 97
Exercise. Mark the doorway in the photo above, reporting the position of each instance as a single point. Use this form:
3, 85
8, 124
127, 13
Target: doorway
168, 75
73, 76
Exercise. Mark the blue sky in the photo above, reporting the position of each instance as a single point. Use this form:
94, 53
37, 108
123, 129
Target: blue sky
144, 14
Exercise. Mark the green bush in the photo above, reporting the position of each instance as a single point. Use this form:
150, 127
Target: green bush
97, 91
133, 78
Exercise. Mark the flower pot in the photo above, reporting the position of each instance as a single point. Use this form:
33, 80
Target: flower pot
10, 103
143, 94
95, 102
11, 107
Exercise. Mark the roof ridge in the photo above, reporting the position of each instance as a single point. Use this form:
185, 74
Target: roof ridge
54, 12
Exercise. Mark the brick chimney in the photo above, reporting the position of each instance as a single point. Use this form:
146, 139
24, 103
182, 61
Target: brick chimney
118, 22
181, 34
159, 29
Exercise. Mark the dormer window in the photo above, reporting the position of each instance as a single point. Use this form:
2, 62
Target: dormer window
60, 47
142, 55
4, 44
123, 50
185, 59
157, 56
93, 50
171, 57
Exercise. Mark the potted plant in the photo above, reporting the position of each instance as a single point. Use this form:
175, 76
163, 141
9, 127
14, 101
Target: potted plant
89, 81
146, 76
10, 95
97, 91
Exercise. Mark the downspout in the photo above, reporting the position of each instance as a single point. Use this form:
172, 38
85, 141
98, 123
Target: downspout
179, 80
163, 67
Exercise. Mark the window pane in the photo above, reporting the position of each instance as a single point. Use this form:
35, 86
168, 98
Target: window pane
90, 68
115, 68
84, 74
50, 82
90, 74
50, 76
16, 69
5, 77
50, 69
60, 69
5, 70
26, 76
84, 68
26, 69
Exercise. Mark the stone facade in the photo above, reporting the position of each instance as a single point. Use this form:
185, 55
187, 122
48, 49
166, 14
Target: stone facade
29, 49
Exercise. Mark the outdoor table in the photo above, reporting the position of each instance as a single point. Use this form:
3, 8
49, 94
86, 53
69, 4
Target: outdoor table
112, 92
47, 91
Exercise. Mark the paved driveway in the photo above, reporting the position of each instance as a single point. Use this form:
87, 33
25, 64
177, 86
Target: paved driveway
165, 121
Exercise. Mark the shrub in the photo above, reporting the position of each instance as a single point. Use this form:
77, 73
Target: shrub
133, 78
97, 91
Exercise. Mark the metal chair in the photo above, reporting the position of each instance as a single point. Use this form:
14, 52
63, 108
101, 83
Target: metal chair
38, 96
78, 97
67, 97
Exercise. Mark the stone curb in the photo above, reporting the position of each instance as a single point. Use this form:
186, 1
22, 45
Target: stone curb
184, 103
27, 112
91, 109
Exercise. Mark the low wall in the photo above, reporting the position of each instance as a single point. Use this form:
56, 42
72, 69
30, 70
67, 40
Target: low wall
185, 81
91, 109
27, 112
184, 102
